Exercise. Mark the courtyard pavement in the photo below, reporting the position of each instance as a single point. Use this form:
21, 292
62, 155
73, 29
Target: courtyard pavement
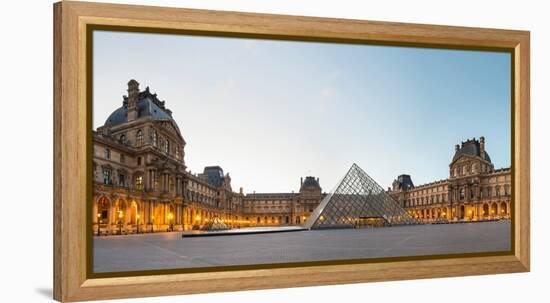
170, 250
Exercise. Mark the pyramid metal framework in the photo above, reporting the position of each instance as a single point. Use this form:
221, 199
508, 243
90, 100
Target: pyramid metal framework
357, 197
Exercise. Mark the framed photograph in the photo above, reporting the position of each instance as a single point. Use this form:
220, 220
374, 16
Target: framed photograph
205, 151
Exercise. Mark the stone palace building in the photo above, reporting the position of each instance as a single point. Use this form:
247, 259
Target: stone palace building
141, 182
475, 190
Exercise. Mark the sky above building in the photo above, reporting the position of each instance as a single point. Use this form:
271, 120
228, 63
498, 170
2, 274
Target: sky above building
269, 112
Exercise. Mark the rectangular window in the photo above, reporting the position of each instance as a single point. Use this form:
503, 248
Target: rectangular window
139, 182
122, 158
106, 176
121, 179
107, 153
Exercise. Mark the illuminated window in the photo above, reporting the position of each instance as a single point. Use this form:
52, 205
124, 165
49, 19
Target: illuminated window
139, 138
139, 182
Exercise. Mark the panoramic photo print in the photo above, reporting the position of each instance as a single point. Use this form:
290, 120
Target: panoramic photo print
213, 152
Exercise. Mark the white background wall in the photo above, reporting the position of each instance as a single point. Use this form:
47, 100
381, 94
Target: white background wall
26, 147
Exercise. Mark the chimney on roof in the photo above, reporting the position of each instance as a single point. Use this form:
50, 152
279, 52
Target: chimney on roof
482, 147
301, 181
133, 96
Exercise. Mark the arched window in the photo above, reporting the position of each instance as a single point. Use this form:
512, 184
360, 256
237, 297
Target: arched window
139, 138
122, 139
103, 210
155, 139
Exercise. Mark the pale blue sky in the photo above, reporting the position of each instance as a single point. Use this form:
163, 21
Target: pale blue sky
269, 112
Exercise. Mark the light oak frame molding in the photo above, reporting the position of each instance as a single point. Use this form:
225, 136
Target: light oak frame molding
71, 282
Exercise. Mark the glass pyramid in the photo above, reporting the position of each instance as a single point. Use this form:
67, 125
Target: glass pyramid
357, 201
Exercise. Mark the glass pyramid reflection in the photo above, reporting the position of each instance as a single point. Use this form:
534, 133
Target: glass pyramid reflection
357, 201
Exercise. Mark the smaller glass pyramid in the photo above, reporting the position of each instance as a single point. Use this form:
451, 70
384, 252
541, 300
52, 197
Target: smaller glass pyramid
357, 201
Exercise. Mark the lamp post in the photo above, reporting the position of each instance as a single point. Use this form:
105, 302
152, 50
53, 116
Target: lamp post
98, 222
137, 221
170, 216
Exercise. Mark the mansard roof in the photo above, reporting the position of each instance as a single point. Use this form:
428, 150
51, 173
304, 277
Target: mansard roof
471, 148
213, 175
148, 106
310, 183
405, 182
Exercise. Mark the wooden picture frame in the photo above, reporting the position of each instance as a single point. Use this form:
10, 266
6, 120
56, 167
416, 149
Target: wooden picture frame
72, 148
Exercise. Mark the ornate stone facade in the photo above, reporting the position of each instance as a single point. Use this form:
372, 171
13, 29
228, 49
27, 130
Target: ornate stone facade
141, 183
474, 190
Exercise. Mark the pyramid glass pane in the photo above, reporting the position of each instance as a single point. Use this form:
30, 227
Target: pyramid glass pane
358, 200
